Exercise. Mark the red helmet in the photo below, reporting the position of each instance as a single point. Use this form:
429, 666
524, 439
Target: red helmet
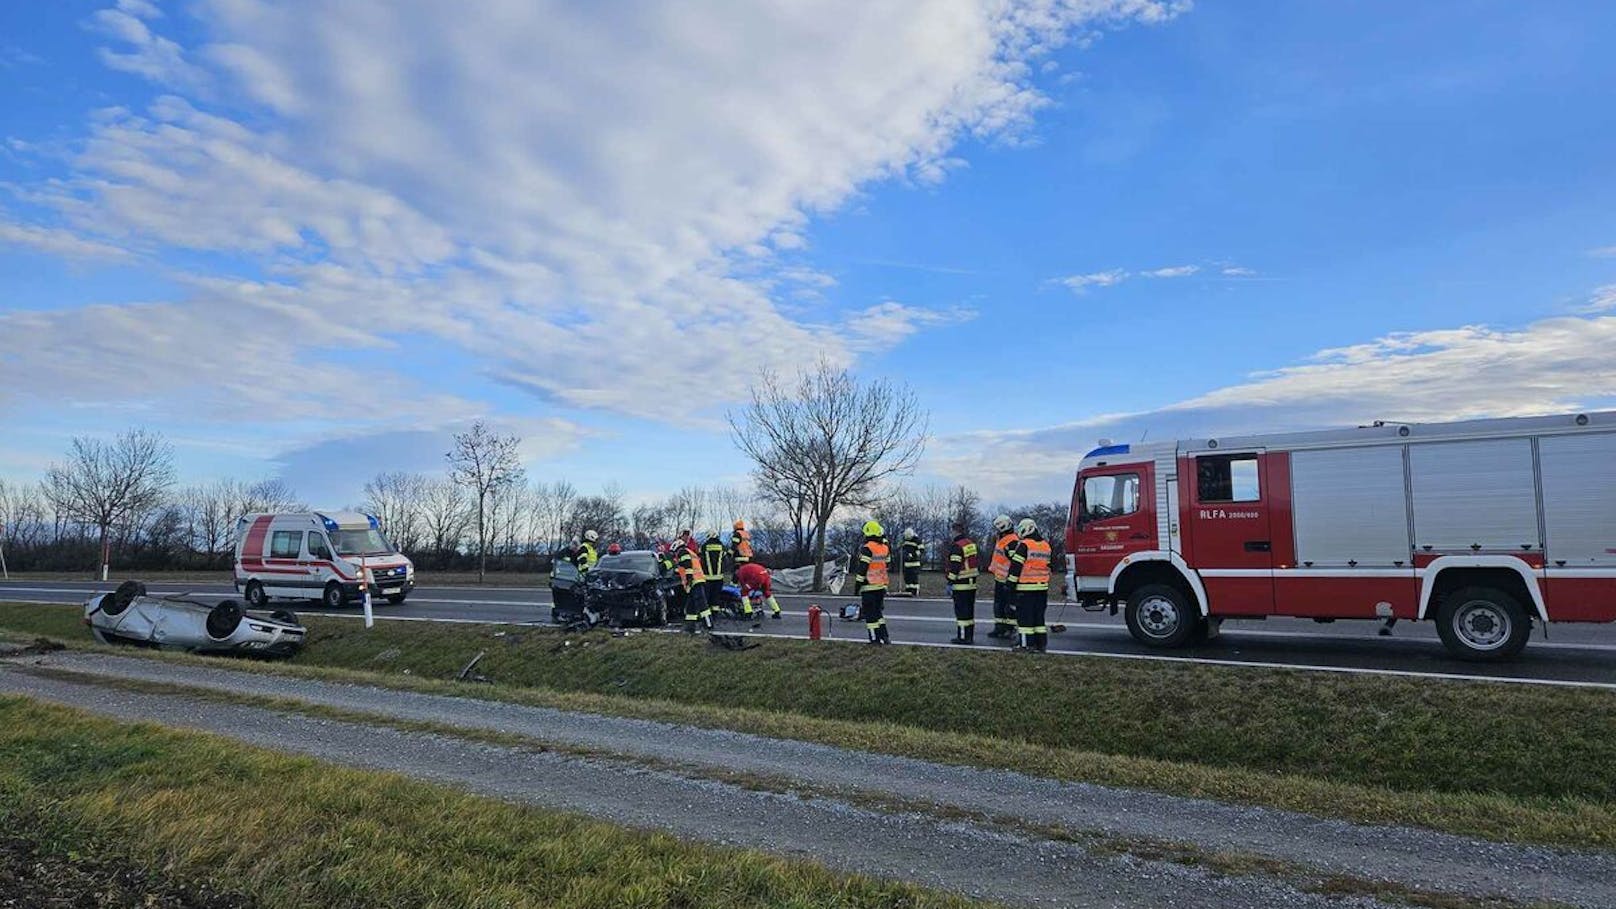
614, 549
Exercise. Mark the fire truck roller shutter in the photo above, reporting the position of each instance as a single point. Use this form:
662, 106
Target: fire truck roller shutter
1478, 496
1579, 501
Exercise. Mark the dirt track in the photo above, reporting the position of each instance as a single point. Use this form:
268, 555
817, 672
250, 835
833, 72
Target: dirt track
857, 811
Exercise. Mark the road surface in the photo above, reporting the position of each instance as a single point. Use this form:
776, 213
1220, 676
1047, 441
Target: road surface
1572, 655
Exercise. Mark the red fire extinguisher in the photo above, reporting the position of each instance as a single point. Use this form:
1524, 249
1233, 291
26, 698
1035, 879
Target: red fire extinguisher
814, 612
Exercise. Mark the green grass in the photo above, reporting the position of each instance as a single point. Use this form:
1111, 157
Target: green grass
1500, 761
297, 832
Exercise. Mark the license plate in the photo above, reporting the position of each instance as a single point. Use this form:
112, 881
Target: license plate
392, 590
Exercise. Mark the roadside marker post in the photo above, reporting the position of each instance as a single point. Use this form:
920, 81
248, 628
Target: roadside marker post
5, 572
364, 589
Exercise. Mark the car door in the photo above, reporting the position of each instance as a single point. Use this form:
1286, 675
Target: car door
1234, 546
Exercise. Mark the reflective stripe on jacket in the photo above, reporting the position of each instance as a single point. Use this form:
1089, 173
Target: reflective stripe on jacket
712, 560
740, 543
688, 570
1000, 566
586, 557
1029, 564
871, 571
911, 553
962, 564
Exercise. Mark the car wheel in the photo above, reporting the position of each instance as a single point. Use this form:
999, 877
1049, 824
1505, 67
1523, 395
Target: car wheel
1482, 624
335, 597
122, 598
223, 619
396, 598
1160, 615
256, 598
285, 616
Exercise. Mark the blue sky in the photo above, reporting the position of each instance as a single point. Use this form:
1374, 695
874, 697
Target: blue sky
313, 241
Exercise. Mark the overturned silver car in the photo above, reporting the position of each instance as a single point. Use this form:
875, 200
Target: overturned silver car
128, 616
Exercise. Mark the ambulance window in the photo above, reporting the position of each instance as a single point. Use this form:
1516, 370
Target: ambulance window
1227, 478
317, 547
286, 544
1109, 496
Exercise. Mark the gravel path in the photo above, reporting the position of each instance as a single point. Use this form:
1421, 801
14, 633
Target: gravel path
1410, 857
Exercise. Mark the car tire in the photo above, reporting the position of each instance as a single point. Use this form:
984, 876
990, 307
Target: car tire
223, 620
256, 598
117, 601
1160, 615
396, 598
285, 616
334, 597
1482, 624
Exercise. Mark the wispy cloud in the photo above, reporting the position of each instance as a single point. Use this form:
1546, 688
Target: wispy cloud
1081, 283
1172, 271
1603, 252
1603, 299
1236, 271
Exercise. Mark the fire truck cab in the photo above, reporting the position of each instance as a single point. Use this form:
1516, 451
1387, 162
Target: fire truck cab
1485, 527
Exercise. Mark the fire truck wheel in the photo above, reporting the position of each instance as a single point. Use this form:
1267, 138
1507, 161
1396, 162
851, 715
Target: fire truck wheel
1160, 615
335, 597
1482, 624
255, 595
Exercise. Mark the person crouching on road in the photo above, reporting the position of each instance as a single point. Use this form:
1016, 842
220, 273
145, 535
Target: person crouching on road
694, 587
870, 576
1004, 607
1029, 572
961, 574
712, 564
912, 549
756, 582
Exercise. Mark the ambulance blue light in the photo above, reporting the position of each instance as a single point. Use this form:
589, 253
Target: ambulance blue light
374, 524
1107, 450
330, 525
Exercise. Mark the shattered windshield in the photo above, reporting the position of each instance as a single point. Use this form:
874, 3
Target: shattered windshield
367, 542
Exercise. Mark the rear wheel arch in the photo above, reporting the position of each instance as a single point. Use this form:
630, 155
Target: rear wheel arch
1515, 582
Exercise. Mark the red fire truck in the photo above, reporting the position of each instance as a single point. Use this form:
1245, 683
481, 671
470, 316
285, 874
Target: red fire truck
1484, 526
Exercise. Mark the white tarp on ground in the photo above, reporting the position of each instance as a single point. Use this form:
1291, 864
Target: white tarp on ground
801, 580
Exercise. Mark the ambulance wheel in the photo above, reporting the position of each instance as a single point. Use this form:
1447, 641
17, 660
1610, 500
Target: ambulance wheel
1160, 615
334, 597
396, 598
256, 598
1482, 624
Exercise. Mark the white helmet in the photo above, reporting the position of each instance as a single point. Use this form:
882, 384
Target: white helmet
590, 536
909, 534
1026, 527
1002, 523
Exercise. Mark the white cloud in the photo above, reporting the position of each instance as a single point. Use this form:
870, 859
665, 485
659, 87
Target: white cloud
1603, 299
578, 197
1603, 252
1553, 365
1237, 271
1172, 271
56, 241
1081, 283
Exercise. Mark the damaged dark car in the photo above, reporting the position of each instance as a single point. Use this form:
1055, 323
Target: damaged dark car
629, 588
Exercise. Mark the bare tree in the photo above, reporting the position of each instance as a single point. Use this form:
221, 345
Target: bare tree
111, 484
396, 501
830, 440
484, 463
445, 515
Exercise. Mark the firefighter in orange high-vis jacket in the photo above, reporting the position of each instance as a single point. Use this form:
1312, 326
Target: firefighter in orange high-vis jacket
693, 585
740, 547
1004, 602
870, 570
1029, 573
961, 574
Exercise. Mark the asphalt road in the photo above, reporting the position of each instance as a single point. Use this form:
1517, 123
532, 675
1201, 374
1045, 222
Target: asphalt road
1579, 655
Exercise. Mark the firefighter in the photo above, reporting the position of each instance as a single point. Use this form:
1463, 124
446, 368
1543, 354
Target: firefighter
740, 546
1029, 573
870, 578
1004, 608
912, 549
693, 590
961, 575
756, 582
586, 556
713, 556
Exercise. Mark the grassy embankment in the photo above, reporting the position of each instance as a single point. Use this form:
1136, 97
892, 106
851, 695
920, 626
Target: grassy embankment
285, 831
1500, 761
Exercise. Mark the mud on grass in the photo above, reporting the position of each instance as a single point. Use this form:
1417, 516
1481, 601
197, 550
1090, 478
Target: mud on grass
298, 832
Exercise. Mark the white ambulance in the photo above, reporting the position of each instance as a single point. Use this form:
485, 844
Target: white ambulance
321, 556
